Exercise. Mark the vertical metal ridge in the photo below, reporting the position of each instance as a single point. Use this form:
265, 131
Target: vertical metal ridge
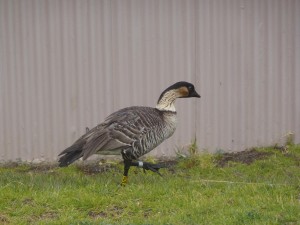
2, 81
296, 103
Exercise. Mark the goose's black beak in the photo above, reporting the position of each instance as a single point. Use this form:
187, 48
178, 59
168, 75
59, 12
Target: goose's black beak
194, 94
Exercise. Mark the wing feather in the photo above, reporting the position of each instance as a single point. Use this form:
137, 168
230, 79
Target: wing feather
120, 130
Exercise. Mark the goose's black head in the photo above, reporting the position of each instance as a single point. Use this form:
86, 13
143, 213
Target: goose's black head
183, 89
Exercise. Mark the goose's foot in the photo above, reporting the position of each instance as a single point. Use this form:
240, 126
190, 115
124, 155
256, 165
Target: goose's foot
150, 166
124, 181
145, 165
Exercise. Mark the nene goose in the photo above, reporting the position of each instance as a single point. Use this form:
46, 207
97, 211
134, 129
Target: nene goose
132, 132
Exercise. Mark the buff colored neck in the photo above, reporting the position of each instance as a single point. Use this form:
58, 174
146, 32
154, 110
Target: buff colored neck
166, 103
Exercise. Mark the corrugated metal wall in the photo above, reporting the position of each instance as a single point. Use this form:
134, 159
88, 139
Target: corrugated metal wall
67, 64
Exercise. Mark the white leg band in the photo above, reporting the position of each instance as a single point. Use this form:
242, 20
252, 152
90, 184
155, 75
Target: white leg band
141, 164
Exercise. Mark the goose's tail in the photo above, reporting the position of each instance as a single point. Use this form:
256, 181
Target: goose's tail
71, 154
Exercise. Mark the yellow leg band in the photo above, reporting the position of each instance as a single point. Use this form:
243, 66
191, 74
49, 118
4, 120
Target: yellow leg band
124, 180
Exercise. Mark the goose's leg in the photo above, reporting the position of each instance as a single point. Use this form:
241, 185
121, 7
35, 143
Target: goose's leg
128, 162
127, 157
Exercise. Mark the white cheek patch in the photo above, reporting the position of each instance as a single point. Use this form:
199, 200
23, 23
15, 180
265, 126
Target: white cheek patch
141, 164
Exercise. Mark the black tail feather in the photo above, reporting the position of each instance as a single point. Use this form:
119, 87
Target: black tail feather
71, 154
69, 158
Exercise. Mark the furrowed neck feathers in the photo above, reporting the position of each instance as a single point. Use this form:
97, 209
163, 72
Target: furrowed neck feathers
167, 100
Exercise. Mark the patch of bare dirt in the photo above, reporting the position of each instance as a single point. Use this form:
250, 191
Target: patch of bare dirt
96, 215
114, 211
93, 168
42, 167
247, 157
147, 213
3, 219
28, 201
30, 167
9, 164
48, 215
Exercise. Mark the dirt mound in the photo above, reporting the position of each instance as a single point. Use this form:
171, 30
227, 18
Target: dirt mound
247, 157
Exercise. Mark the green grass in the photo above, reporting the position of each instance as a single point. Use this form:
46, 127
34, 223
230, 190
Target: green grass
195, 191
